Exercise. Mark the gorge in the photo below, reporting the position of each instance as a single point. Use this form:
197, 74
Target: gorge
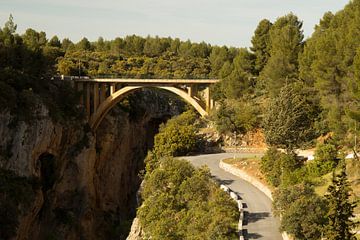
83, 183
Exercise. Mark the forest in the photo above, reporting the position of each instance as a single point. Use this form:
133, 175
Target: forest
294, 89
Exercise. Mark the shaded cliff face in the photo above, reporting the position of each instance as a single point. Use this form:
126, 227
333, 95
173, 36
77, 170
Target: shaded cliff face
83, 184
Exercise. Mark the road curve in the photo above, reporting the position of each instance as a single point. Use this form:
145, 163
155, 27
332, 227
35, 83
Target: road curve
259, 223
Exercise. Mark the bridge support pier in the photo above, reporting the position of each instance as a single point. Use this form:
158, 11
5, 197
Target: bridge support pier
112, 88
88, 105
80, 88
102, 93
96, 96
208, 99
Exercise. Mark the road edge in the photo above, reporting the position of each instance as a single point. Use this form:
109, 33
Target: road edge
253, 181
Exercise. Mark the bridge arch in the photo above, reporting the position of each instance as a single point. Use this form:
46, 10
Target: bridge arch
120, 94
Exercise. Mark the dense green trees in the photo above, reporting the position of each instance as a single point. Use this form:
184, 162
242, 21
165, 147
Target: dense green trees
179, 201
329, 63
341, 209
303, 212
182, 202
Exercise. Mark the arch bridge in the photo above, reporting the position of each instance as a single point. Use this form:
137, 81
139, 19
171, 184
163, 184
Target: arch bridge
100, 94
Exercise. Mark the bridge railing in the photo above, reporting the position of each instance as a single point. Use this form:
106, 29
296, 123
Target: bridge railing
65, 77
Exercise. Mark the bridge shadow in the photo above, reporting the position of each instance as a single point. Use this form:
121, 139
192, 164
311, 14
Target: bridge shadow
248, 236
254, 217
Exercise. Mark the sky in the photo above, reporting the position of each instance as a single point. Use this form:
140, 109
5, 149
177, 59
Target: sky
218, 22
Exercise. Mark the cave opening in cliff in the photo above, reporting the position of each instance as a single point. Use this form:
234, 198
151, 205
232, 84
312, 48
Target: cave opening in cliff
47, 170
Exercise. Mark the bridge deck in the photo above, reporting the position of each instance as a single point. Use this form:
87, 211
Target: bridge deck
144, 81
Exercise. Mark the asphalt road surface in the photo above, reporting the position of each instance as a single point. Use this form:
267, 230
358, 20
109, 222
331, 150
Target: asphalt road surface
259, 223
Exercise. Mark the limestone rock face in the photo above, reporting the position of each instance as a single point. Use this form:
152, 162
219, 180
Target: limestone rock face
136, 232
86, 182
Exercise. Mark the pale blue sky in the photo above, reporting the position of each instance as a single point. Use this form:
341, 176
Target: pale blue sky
219, 22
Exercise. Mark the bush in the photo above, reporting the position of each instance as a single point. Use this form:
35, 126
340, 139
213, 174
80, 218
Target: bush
325, 159
271, 166
280, 167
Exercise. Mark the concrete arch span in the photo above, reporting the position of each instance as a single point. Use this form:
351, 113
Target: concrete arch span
120, 94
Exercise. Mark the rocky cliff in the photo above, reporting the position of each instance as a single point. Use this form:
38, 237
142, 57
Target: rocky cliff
78, 184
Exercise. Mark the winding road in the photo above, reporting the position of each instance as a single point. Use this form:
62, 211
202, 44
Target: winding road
259, 223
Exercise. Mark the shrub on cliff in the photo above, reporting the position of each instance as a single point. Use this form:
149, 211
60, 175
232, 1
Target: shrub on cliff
181, 202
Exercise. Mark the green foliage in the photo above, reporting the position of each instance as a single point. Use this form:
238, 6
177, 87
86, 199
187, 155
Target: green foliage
303, 212
325, 159
330, 63
305, 218
281, 168
289, 120
7, 97
26, 66
84, 44
286, 39
261, 44
181, 202
177, 137
235, 116
271, 166
237, 77
341, 209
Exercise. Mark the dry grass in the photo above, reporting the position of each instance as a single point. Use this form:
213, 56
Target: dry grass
250, 165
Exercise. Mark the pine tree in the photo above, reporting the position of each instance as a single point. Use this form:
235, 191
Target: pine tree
286, 39
261, 44
340, 209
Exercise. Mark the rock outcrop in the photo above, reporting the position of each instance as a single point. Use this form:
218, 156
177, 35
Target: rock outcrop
84, 182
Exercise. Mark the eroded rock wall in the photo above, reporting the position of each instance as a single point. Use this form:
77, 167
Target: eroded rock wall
84, 182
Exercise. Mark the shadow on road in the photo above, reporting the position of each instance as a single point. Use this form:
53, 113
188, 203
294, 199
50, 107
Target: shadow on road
222, 181
254, 217
248, 236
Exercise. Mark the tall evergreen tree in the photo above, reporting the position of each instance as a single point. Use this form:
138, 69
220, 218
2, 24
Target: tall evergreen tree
286, 39
341, 210
261, 44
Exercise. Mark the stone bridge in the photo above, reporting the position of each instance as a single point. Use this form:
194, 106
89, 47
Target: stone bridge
100, 94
